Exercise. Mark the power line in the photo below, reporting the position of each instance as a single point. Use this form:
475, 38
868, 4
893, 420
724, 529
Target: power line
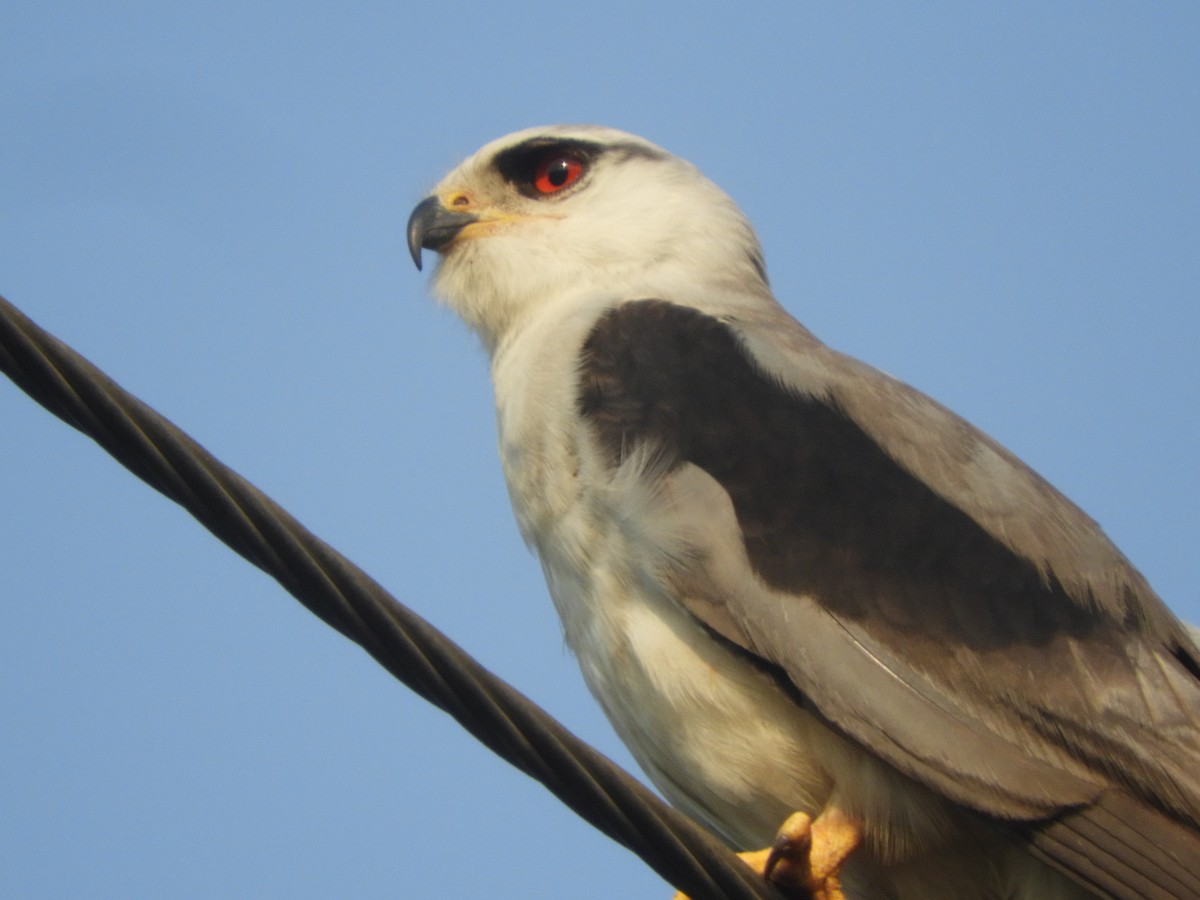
346, 598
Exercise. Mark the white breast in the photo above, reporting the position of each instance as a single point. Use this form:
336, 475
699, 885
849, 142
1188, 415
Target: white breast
719, 737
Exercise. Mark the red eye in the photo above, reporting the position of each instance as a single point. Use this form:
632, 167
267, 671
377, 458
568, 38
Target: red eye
555, 173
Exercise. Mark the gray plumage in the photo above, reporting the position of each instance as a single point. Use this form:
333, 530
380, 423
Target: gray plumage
794, 582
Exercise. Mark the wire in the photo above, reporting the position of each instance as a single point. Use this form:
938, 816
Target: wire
346, 598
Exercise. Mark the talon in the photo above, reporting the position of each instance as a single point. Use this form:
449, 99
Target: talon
787, 865
806, 858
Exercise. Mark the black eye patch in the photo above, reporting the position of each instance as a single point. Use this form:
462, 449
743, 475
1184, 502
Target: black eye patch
521, 165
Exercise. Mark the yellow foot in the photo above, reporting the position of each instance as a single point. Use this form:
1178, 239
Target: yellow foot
806, 859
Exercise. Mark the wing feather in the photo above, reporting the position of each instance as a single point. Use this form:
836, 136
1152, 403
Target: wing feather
932, 596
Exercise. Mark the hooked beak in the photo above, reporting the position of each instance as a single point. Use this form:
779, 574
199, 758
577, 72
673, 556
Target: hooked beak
431, 226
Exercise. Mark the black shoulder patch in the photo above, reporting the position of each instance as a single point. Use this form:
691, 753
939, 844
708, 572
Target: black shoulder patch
824, 510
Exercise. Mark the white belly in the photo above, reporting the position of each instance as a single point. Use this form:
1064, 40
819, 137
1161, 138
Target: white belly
717, 736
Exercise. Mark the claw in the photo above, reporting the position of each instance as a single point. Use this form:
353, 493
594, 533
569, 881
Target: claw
788, 864
806, 858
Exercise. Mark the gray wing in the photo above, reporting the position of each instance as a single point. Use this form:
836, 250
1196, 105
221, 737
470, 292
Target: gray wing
931, 596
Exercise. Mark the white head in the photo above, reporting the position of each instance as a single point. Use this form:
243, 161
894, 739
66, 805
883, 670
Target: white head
549, 214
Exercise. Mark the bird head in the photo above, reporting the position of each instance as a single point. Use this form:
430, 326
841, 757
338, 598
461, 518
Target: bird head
554, 214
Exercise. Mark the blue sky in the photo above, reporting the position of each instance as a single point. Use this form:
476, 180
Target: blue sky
998, 204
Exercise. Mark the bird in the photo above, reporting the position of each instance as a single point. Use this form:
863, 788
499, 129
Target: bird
832, 621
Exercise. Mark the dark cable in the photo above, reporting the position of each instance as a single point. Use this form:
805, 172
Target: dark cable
346, 598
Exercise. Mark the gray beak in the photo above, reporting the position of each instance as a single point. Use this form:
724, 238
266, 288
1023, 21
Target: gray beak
431, 226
